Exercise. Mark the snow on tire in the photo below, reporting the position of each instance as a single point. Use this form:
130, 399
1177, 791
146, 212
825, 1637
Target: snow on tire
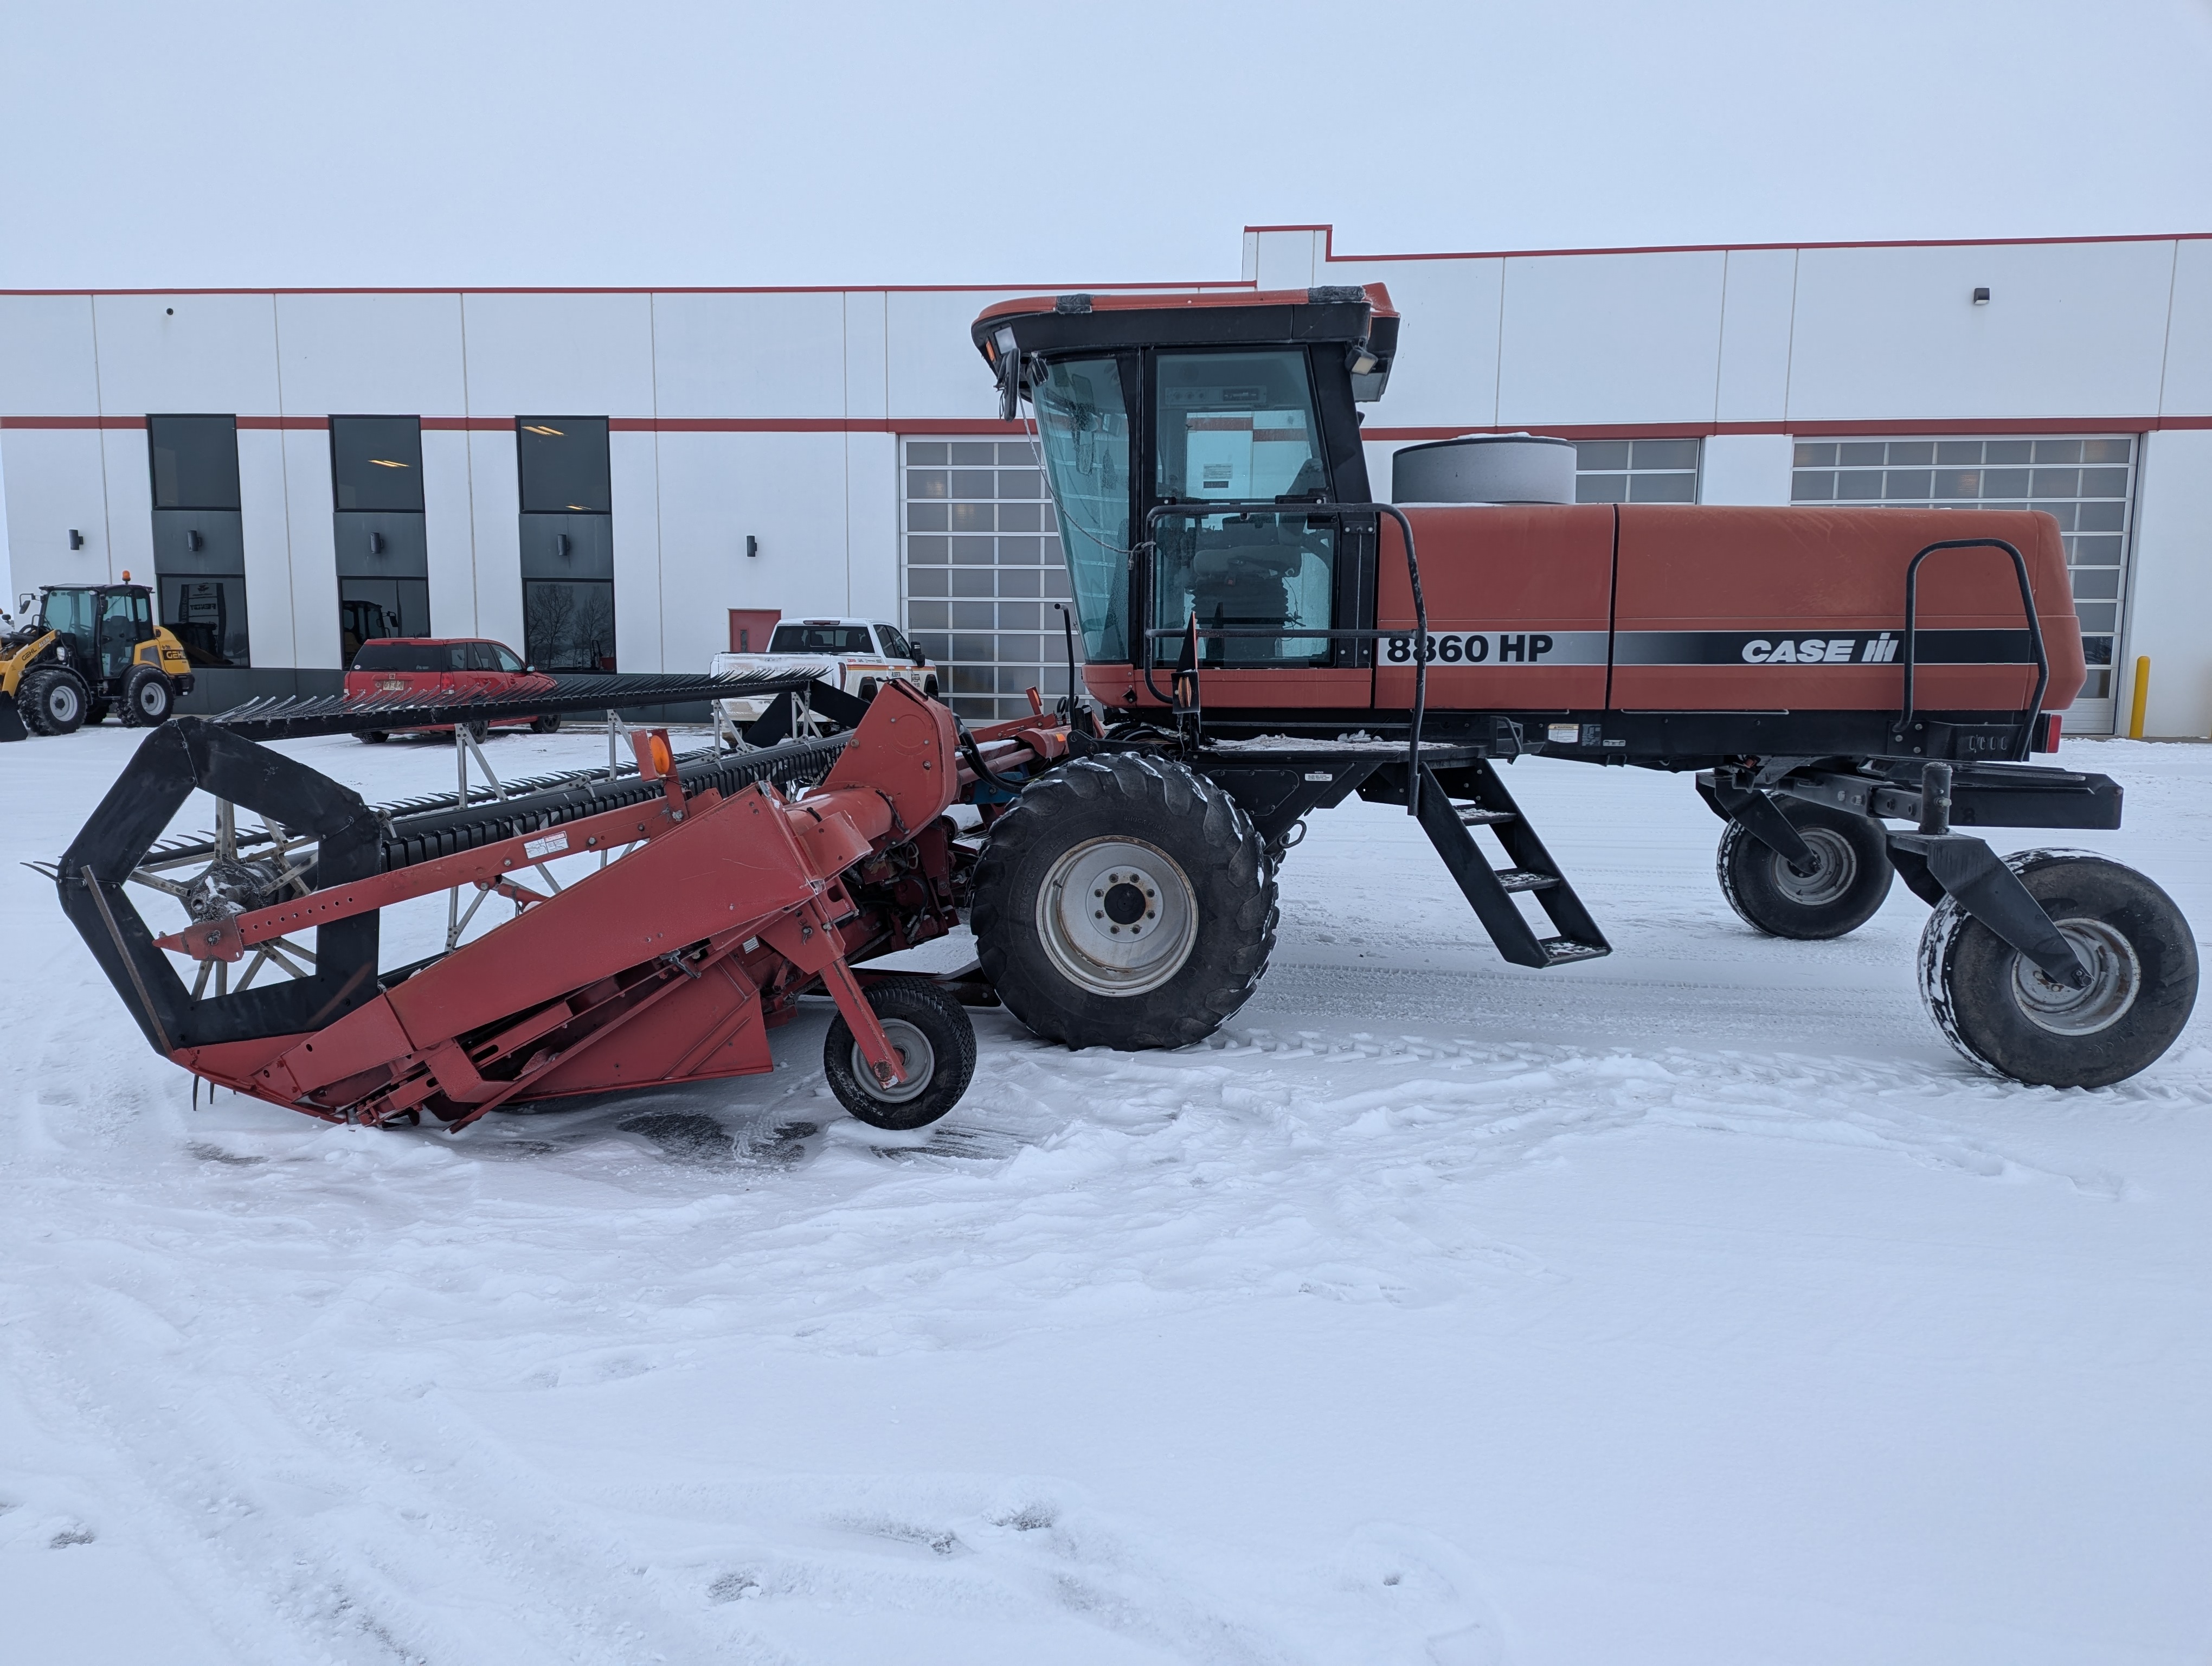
1997, 1009
1124, 902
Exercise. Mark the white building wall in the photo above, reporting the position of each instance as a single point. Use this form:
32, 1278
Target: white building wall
449, 529
312, 569
1759, 303
1745, 468
495, 511
2172, 604
1615, 339
2070, 330
778, 414
54, 481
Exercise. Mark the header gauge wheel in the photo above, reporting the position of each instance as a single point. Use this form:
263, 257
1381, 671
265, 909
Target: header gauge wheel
1124, 902
929, 1030
1997, 1008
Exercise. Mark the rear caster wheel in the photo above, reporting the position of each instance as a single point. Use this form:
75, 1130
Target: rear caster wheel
1850, 878
2002, 1012
936, 1045
1125, 903
549, 724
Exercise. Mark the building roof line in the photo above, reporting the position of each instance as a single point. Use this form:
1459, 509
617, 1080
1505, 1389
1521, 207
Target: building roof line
1330, 251
659, 288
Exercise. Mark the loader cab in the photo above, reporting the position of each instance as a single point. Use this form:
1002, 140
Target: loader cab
1149, 410
103, 625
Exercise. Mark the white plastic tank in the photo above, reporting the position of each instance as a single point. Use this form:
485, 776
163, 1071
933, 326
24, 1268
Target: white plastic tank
1486, 468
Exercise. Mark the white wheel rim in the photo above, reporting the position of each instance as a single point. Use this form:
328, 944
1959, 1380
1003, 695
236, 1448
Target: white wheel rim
152, 697
61, 703
2115, 980
1836, 866
916, 1057
1117, 916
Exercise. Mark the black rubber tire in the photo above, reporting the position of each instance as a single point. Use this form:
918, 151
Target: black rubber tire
54, 701
549, 724
148, 699
1973, 982
922, 1006
479, 731
374, 738
1210, 848
929, 687
869, 688
1841, 895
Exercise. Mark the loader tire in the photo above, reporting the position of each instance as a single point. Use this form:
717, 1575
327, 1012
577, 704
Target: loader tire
147, 700
929, 1031
1849, 882
1124, 902
55, 701
1994, 1005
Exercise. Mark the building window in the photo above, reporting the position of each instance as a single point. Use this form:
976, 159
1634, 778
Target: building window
2089, 485
383, 551
983, 568
1636, 470
567, 542
200, 542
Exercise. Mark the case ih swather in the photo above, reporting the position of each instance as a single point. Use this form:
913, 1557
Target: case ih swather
1263, 641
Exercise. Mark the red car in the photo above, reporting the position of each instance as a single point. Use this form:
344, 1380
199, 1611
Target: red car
452, 668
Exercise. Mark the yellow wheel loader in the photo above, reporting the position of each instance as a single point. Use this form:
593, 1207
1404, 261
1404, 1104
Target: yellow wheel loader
92, 647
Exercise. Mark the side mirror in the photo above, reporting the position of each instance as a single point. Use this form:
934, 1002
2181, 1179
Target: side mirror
919, 658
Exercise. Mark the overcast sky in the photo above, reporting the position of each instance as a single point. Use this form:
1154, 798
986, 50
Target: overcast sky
808, 142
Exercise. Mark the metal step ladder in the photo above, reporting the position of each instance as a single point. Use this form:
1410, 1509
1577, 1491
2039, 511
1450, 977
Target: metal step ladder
1450, 826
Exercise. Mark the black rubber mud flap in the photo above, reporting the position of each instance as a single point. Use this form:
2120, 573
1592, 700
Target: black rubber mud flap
11, 721
188, 754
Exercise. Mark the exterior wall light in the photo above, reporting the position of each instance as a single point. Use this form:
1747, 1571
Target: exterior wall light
1981, 297
76, 538
752, 546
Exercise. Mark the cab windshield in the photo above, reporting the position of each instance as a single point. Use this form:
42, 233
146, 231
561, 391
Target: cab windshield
1082, 424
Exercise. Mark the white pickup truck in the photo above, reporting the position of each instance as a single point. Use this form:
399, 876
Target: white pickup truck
855, 655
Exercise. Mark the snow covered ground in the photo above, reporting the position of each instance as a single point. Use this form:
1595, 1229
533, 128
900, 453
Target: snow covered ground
1697, 1305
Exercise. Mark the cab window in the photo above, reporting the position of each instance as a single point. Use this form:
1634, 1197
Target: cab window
505, 659
820, 639
894, 645
1241, 428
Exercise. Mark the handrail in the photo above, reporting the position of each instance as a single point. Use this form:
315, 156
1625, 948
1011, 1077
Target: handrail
2028, 606
1202, 510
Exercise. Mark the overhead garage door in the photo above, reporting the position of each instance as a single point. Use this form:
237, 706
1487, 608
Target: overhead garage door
983, 568
2087, 484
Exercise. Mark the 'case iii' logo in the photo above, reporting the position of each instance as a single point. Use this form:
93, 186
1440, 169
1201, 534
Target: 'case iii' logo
1821, 650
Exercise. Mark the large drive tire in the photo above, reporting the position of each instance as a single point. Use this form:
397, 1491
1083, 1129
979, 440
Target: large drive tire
1995, 1007
929, 1031
55, 701
147, 700
1124, 902
1849, 882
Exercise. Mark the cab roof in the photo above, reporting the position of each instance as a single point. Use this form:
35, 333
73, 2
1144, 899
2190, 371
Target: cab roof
1051, 324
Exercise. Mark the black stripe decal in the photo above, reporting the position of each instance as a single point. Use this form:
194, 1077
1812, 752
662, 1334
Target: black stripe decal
1803, 647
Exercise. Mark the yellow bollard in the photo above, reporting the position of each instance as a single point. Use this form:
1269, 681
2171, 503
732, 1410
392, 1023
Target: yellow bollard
2142, 698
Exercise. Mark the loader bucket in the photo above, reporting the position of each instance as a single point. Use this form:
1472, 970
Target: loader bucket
11, 721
